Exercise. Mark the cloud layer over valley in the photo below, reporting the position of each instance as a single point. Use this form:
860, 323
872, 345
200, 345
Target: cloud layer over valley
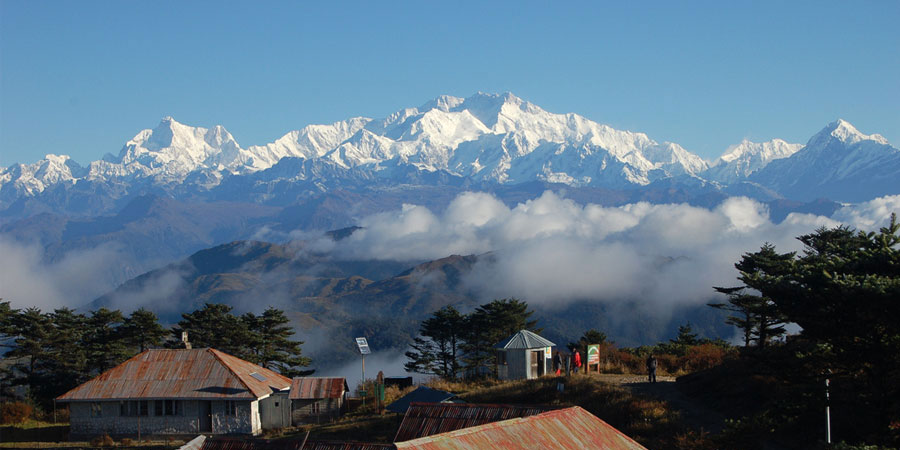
551, 250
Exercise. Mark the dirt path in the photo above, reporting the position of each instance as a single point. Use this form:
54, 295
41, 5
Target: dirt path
695, 415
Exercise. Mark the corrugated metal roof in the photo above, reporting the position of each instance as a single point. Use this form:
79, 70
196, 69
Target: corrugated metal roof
524, 339
570, 428
426, 419
422, 394
317, 387
225, 443
335, 445
179, 373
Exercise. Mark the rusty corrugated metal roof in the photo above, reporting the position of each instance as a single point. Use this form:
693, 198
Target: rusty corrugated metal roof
422, 394
180, 373
570, 428
336, 445
426, 419
317, 387
225, 443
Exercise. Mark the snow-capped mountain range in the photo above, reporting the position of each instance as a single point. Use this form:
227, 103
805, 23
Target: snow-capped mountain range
485, 138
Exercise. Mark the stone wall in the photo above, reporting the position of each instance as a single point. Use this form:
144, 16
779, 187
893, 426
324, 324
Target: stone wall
110, 422
244, 421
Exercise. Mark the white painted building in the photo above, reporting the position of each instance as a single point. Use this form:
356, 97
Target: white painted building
179, 392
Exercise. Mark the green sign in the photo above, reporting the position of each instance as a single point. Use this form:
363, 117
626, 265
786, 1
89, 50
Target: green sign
593, 354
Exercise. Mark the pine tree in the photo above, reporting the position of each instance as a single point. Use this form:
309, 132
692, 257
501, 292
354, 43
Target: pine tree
31, 329
269, 339
142, 330
435, 350
66, 364
758, 317
214, 326
103, 339
488, 325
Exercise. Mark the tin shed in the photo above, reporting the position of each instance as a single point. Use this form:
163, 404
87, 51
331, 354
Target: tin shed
314, 399
524, 355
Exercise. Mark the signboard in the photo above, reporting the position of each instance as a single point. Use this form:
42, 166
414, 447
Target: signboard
593, 354
547, 353
363, 346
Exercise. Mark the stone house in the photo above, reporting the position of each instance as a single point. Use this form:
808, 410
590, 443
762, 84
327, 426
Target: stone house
180, 392
524, 355
317, 399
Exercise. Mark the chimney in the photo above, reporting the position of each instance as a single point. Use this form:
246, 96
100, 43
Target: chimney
184, 340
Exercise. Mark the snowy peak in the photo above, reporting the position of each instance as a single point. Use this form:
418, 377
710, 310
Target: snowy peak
172, 150
740, 160
839, 163
774, 149
843, 132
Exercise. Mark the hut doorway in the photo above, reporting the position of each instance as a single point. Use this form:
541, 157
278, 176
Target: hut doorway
537, 368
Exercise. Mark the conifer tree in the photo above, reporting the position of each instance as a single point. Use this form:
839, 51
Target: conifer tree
491, 323
758, 317
142, 330
103, 339
269, 339
214, 326
436, 350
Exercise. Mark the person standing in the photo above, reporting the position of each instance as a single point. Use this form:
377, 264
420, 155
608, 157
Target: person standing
577, 361
557, 363
651, 368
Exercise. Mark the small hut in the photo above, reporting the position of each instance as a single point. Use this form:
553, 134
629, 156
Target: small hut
524, 355
316, 399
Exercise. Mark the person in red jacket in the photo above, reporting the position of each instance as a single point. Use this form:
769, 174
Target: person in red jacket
577, 361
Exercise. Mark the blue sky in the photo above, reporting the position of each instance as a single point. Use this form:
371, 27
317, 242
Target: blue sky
81, 78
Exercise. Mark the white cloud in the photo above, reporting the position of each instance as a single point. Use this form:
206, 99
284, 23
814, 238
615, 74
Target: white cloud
75, 278
551, 250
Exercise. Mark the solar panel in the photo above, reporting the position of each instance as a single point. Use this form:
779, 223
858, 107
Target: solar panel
363, 345
258, 376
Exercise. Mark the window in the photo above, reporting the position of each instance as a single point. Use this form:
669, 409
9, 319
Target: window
158, 408
230, 408
96, 409
133, 408
501, 358
172, 407
315, 407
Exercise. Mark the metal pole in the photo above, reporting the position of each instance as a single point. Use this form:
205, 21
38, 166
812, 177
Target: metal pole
827, 413
364, 379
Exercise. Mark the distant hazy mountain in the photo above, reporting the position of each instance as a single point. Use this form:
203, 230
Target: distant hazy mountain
330, 302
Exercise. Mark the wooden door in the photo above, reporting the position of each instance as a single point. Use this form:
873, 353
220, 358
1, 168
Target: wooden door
205, 416
537, 358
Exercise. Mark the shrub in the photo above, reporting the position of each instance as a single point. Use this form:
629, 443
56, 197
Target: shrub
667, 363
631, 363
701, 357
127, 442
15, 412
103, 441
